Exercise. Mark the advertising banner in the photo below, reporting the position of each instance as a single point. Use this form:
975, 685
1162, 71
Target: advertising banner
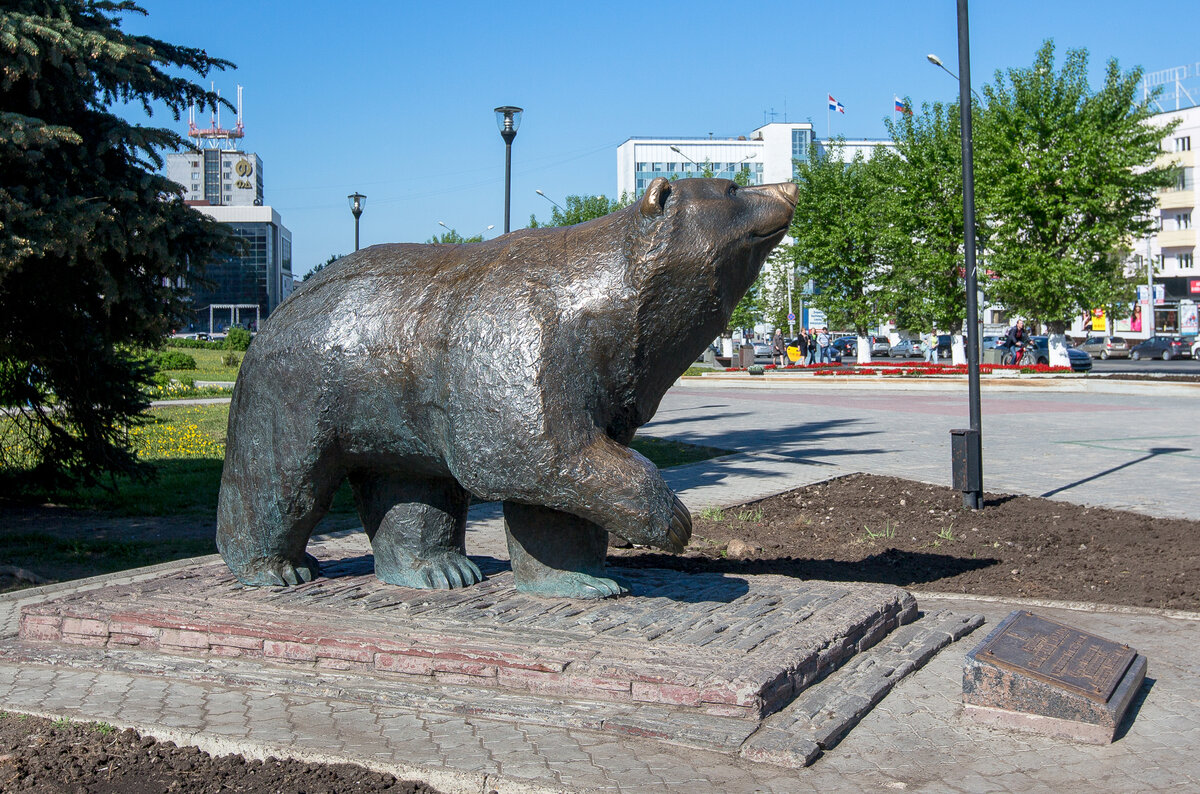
814, 318
1160, 294
1095, 322
1189, 322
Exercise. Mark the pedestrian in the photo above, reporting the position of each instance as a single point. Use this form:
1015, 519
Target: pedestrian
779, 349
823, 345
802, 346
930, 343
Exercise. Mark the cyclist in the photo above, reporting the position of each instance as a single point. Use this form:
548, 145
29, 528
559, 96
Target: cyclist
1016, 341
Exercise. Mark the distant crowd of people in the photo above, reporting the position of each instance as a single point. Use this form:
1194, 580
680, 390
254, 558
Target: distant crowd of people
814, 345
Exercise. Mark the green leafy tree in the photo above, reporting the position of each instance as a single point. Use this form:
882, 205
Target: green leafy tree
452, 237
580, 209
924, 235
1069, 177
93, 242
841, 214
332, 258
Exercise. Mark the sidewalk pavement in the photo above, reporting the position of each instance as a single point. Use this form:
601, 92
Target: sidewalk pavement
914, 740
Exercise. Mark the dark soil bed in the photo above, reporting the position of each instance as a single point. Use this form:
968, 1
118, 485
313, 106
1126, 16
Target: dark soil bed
37, 755
883, 529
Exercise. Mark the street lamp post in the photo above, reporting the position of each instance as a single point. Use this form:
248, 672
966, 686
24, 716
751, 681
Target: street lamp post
966, 448
972, 482
508, 119
357, 203
552, 201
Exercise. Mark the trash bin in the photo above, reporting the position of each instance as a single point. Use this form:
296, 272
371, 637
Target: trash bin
993, 355
745, 356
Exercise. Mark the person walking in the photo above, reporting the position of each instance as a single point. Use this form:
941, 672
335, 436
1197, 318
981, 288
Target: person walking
823, 346
930, 342
802, 346
779, 349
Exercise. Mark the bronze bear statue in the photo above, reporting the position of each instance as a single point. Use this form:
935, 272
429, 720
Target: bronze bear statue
515, 369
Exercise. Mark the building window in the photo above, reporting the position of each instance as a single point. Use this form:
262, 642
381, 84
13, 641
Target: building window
195, 188
1183, 220
1183, 144
1185, 261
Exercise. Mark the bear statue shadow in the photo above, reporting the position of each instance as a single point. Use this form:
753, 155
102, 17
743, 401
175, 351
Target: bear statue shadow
516, 370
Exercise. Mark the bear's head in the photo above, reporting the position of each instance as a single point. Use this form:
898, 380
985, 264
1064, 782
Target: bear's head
699, 245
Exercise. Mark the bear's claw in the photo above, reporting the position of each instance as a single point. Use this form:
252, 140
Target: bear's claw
279, 572
680, 531
447, 571
572, 584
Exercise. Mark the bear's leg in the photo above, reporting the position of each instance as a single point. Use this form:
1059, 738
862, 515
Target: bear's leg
417, 530
557, 554
264, 520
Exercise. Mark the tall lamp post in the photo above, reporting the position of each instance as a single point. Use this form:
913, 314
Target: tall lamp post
508, 119
966, 447
357, 203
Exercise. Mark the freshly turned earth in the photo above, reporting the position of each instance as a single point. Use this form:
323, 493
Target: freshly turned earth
883, 529
37, 755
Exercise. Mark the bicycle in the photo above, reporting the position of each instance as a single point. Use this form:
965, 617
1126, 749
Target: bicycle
1022, 354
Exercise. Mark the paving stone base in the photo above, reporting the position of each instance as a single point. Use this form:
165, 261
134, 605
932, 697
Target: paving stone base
694, 659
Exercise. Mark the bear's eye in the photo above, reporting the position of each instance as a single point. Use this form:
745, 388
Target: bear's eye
731, 191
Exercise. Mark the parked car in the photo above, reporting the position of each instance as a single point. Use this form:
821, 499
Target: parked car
1105, 346
991, 342
880, 346
1164, 347
762, 353
846, 345
1196, 349
906, 348
1080, 360
944, 351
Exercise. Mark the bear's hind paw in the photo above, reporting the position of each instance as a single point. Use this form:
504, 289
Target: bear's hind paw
447, 571
278, 572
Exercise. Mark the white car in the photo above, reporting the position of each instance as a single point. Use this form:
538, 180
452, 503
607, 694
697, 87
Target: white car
1196, 350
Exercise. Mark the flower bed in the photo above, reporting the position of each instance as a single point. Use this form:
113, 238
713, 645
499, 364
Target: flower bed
912, 371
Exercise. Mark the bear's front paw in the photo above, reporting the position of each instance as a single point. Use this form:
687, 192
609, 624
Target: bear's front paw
445, 571
573, 584
680, 531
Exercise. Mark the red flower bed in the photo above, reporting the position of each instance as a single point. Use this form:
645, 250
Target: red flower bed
913, 371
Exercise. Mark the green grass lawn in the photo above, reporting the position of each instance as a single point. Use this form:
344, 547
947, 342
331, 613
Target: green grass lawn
185, 444
208, 365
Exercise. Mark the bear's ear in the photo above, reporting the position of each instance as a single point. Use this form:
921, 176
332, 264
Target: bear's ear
656, 197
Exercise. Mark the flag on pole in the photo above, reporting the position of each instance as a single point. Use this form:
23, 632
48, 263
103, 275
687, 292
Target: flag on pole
841, 108
902, 106
833, 103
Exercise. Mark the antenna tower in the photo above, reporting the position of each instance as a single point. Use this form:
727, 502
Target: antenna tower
1177, 80
215, 136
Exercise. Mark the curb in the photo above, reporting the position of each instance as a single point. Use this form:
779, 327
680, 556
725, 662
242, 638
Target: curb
1071, 606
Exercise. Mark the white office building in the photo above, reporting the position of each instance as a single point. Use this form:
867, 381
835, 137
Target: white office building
767, 155
226, 184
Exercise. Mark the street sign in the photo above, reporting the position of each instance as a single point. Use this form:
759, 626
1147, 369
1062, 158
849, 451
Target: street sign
791, 317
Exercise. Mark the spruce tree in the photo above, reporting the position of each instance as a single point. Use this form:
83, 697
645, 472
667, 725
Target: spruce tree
94, 245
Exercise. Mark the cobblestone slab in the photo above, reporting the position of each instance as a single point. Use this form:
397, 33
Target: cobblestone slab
818, 719
720, 645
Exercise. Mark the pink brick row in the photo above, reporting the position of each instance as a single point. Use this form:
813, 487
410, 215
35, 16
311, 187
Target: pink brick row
462, 666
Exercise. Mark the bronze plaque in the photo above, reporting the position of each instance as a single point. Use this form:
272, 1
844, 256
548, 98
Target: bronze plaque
1048, 651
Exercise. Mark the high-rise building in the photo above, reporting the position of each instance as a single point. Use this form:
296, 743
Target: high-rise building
226, 184
767, 155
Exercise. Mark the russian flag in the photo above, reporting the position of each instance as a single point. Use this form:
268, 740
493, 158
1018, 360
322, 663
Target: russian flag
901, 107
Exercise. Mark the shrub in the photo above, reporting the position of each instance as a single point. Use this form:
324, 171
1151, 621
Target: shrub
200, 344
172, 359
231, 359
237, 338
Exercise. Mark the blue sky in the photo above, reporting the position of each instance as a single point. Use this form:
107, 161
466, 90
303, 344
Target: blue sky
394, 99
